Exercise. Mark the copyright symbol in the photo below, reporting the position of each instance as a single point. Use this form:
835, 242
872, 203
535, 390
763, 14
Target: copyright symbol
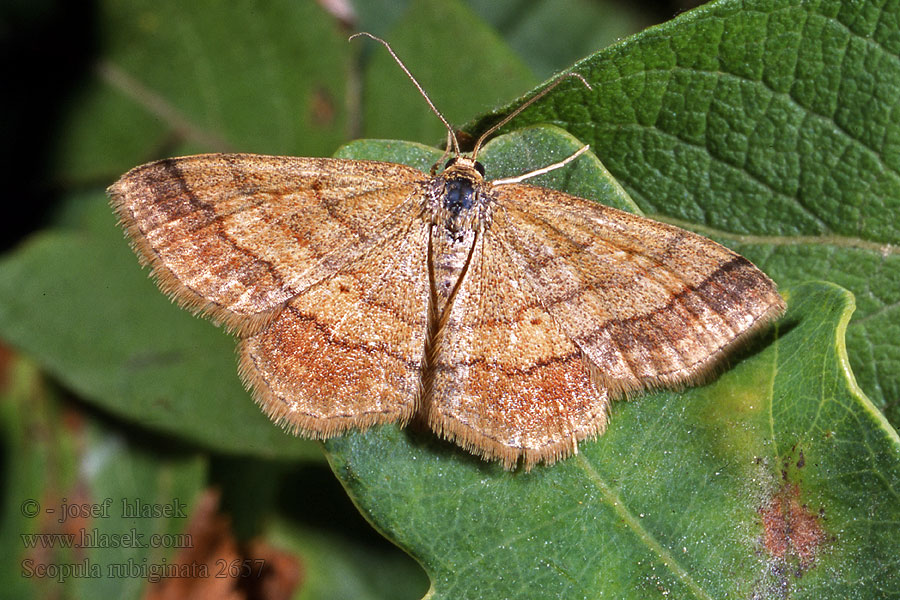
31, 508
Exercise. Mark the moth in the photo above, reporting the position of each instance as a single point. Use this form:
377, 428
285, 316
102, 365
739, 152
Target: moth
503, 315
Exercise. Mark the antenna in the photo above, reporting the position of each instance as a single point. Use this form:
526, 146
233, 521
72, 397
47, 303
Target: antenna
542, 170
434, 109
527, 103
451, 137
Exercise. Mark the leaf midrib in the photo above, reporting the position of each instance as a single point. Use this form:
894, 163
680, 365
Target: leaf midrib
840, 241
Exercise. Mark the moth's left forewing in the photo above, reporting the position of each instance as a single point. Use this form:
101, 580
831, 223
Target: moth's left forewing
234, 236
647, 303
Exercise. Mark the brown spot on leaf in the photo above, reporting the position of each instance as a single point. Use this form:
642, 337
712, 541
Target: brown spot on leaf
790, 530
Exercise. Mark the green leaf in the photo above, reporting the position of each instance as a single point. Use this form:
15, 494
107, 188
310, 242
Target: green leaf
686, 494
671, 499
770, 127
527, 150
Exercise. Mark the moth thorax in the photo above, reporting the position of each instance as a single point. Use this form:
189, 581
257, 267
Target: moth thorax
459, 203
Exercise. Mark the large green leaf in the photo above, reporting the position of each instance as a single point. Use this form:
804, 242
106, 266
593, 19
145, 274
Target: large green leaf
697, 494
772, 126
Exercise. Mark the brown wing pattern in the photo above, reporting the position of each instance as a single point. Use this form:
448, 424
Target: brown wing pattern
318, 263
236, 235
506, 381
648, 303
347, 353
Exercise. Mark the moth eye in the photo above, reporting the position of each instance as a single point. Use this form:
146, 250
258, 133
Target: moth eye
449, 162
480, 168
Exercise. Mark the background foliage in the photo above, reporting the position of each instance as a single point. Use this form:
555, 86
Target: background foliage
769, 126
